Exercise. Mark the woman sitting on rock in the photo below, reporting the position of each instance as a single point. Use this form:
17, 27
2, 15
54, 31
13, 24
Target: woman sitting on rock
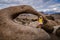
40, 20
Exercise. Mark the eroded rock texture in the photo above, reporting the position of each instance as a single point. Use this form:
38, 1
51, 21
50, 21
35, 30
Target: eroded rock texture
27, 19
58, 31
11, 30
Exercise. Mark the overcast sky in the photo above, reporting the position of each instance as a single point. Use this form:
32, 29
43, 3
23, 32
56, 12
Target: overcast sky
40, 5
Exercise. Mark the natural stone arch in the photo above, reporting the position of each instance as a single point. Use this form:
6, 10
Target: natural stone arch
9, 30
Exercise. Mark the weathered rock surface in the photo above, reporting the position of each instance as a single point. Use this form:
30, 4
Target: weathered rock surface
54, 37
26, 19
56, 17
10, 30
48, 29
57, 32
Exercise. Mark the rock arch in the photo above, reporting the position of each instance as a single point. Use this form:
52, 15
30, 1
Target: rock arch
9, 30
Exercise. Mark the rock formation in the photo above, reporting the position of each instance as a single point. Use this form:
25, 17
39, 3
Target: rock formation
57, 32
20, 22
10, 30
56, 17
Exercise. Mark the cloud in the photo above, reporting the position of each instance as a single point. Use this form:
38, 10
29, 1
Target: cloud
33, 3
55, 7
40, 5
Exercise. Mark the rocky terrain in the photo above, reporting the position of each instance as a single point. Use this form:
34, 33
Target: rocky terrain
20, 22
56, 17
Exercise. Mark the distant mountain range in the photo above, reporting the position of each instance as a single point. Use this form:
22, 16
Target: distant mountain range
56, 14
51, 12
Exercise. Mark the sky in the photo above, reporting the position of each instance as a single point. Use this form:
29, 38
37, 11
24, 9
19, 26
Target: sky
39, 5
